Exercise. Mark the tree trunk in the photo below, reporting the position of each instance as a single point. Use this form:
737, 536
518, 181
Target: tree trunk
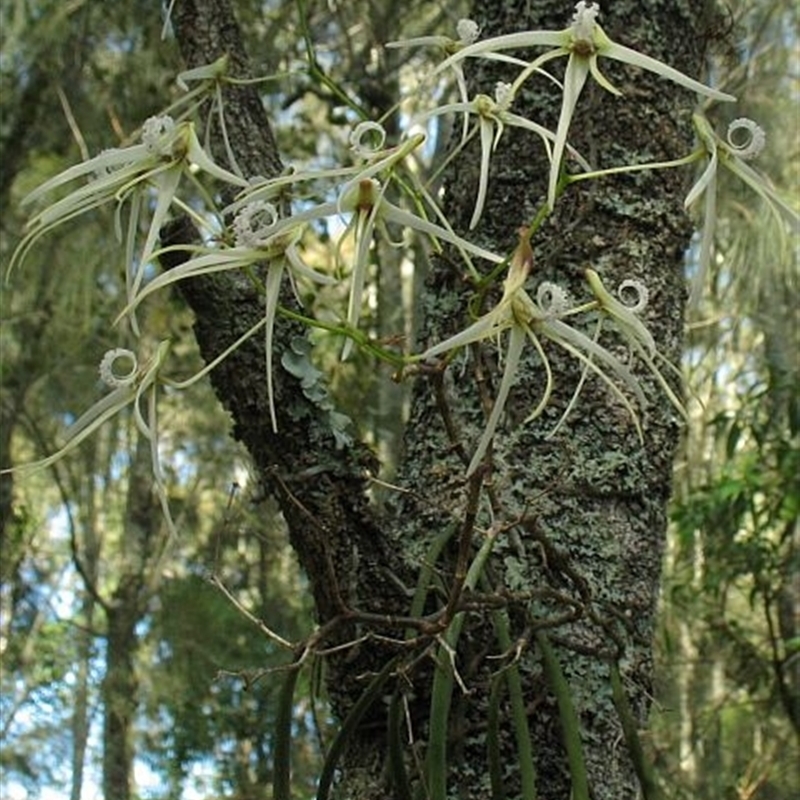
119, 696
124, 611
579, 517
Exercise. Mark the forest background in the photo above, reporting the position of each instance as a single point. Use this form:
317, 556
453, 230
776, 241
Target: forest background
76, 77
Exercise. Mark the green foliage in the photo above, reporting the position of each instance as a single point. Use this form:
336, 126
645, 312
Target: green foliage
731, 696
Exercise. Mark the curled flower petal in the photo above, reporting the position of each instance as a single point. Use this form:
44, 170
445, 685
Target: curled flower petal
115, 379
503, 94
254, 224
584, 21
552, 298
157, 134
755, 140
367, 138
642, 295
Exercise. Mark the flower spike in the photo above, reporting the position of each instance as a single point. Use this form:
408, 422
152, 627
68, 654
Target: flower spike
524, 319
733, 155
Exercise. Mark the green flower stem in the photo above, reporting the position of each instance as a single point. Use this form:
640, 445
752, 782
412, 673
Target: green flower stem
359, 337
282, 779
441, 698
570, 725
318, 72
644, 771
601, 173
527, 767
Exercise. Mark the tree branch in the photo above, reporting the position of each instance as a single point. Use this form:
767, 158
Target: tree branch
320, 485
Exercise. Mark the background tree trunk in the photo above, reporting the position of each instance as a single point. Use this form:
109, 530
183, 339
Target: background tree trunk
124, 611
582, 512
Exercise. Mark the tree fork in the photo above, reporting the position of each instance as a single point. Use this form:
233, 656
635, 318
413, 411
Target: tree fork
595, 497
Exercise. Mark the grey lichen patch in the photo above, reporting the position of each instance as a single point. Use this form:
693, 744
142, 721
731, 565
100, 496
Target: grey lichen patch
296, 360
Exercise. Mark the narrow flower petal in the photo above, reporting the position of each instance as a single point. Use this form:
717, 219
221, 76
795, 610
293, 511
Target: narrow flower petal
365, 225
516, 340
707, 230
89, 422
581, 345
300, 268
704, 181
166, 185
461, 83
760, 185
273, 290
548, 372
486, 130
208, 72
620, 53
600, 78
197, 155
511, 41
216, 261
420, 41
101, 164
627, 321
401, 217
486, 327
574, 80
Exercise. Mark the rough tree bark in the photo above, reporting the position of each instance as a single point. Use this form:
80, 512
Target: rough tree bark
582, 513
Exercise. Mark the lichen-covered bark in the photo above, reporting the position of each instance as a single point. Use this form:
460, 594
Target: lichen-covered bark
592, 500
582, 512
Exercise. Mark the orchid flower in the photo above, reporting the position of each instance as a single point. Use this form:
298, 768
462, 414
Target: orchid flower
524, 318
255, 244
583, 42
733, 155
468, 33
626, 319
167, 152
362, 199
493, 115
366, 142
369, 207
132, 384
374, 161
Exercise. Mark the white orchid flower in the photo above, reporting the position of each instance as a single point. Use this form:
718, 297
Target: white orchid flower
167, 153
135, 385
524, 318
626, 319
369, 207
583, 42
468, 33
733, 155
256, 244
492, 117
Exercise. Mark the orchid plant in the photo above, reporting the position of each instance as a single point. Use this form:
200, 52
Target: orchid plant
583, 42
263, 233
